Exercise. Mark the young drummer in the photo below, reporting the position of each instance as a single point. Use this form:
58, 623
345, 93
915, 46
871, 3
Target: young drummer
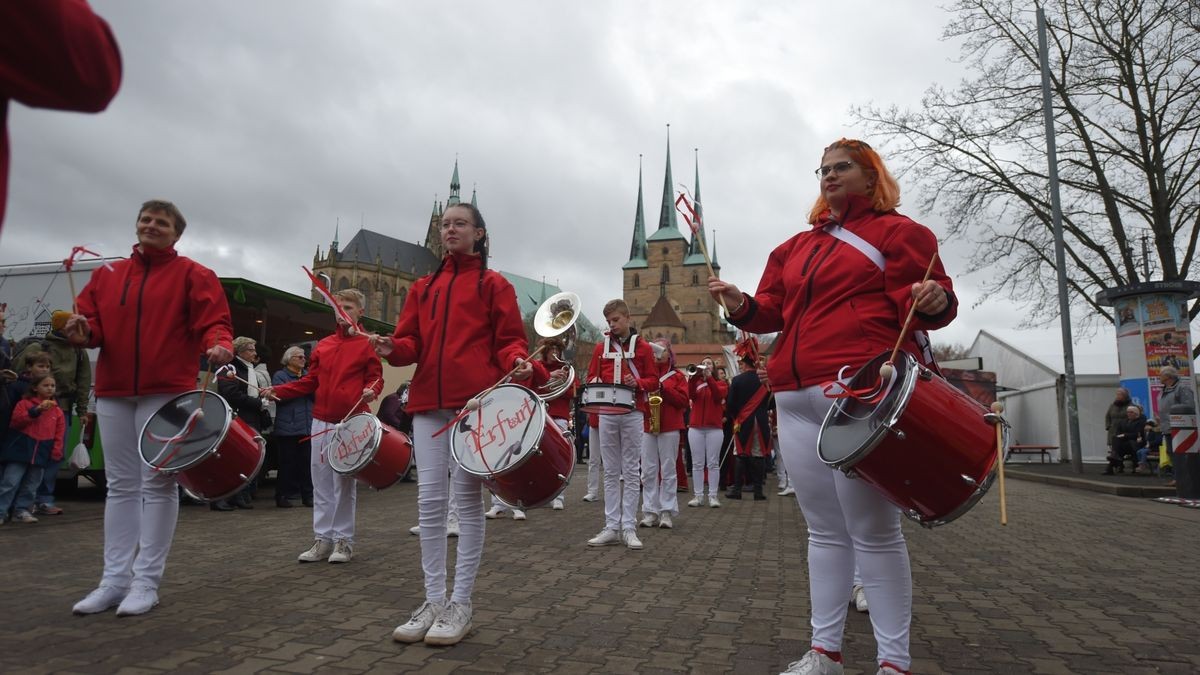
622, 358
660, 446
346, 375
462, 327
707, 392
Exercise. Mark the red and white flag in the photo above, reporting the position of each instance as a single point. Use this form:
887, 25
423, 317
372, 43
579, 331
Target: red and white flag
689, 214
328, 297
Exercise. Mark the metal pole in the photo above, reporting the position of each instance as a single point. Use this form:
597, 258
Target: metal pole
1064, 307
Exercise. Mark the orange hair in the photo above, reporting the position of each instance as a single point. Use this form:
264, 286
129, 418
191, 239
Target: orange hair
885, 191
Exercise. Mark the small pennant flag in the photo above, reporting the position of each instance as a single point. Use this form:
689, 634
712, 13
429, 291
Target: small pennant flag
328, 298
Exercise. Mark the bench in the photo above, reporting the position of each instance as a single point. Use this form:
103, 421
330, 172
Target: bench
1031, 448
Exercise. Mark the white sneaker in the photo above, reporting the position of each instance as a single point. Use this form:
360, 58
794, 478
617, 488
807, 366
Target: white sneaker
320, 551
858, 598
696, 501
452, 527
343, 552
102, 599
451, 625
141, 599
518, 514
418, 625
888, 669
650, 520
415, 529
789, 490
590, 497
664, 521
24, 516
494, 512
631, 540
712, 501
814, 663
606, 537
558, 504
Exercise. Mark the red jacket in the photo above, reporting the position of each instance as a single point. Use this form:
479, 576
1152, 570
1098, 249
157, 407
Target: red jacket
34, 436
462, 327
153, 316
53, 54
708, 401
643, 359
833, 305
339, 368
673, 389
558, 408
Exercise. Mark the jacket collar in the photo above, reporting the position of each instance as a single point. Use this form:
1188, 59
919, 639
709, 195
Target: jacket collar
464, 262
856, 207
154, 256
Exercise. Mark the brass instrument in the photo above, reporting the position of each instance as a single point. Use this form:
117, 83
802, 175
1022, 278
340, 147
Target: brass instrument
655, 400
556, 318
692, 369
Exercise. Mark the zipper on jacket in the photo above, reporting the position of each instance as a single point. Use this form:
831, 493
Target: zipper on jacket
433, 305
125, 290
808, 295
445, 325
137, 332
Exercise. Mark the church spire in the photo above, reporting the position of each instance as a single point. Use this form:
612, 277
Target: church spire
474, 197
668, 224
637, 250
454, 187
336, 226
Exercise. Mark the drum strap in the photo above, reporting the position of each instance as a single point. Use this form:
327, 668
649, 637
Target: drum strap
873, 254
620, 355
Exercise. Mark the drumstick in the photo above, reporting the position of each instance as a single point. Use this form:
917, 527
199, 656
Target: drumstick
476, 400
998, 408
360, 398
885, 369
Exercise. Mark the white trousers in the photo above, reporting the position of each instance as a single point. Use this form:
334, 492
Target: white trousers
434, 484
659, 478
334, 495
595, 463
621, 448
142, 504
706, 452
848, 523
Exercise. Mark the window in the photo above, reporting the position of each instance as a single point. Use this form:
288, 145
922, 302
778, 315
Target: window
695, 278
637, 280
386, 297
666, 274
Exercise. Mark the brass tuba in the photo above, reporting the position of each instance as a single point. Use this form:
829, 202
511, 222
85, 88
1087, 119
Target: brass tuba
556, 317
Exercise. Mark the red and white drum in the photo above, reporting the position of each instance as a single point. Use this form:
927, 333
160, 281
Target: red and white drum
604, 398
371, 451
212, 453
515, 447
926, 446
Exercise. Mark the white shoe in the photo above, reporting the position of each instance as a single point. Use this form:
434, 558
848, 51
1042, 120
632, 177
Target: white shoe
418, 625
590, 497
343, 552
141, 599
858, 598
664, 521
888, 669
558, 504
415, 529
452, 527
814, 663
696, 501
100, 600
320, 551
606, 537
451, 626
494, 512
789, 490
518, 514
713, 502
650, 520
631, 540
24, 516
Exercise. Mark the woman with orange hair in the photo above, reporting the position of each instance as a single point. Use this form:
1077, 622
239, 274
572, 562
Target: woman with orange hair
839, 293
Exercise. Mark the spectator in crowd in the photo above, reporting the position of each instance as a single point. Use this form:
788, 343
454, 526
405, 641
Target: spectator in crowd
293, 424
1130, 437
1154, 439
72, 370
34, 440
36, 367
249, 405
1176, 397
1113, 416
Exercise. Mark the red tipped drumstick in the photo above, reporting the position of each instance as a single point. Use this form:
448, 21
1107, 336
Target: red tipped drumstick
476, 400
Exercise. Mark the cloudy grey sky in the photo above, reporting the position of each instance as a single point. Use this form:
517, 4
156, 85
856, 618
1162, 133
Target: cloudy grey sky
268, 122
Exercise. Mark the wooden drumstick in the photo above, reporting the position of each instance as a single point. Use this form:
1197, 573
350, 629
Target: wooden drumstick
885, 371
475, 401
998, 407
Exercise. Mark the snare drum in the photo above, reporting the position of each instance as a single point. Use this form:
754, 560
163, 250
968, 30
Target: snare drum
603, 398
371, 451
213, 456
515, 447
926, 446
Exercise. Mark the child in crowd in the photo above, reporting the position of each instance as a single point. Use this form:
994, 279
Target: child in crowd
34, 440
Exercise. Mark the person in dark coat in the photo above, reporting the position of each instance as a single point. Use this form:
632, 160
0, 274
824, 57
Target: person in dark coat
748, 404
247, 404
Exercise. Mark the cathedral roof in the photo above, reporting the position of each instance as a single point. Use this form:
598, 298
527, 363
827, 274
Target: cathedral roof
405, 256
663, 314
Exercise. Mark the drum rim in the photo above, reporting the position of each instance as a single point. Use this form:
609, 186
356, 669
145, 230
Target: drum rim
593, 385
544, 502
262, 459
537, 440
376, 437
622, 407
904, 395
202, 456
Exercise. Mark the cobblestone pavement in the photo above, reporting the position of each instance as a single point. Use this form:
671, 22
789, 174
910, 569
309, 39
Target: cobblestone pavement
1077, 582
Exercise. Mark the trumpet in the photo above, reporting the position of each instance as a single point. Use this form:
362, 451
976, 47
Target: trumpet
692, 369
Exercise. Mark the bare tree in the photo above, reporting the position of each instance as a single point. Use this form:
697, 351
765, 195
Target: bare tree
1126, 87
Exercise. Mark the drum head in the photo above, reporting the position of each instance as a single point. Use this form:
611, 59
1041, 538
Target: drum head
501, 434
354, 443
174, 438
853, 427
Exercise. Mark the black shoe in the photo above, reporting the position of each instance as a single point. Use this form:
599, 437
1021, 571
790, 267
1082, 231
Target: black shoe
244, 503
283, 503
307, 501
733, 495
221, 505
758, 497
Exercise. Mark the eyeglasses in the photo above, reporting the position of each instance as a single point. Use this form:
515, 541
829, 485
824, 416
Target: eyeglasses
840, 167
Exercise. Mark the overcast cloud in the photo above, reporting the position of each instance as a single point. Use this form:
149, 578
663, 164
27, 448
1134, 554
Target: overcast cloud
268, 122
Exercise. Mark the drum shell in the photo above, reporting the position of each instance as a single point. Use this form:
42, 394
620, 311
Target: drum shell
608, 399
541, 477
228, 468
386, 463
